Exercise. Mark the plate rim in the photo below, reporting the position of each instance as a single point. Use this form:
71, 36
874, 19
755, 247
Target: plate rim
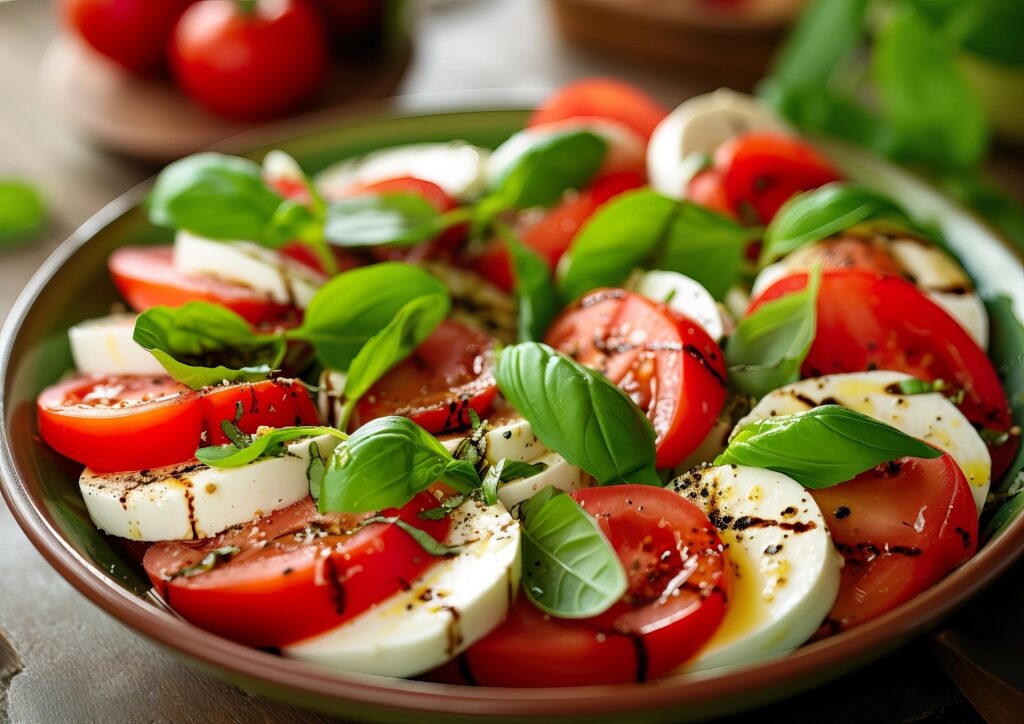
816, 662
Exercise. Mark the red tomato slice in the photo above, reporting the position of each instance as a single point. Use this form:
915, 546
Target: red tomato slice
707, 189
679, 586
274, 403
552, 233
288, 582
901, 527
121, 422
146, 278
762, 170
605, 98
449, 374
868, 320
666, 362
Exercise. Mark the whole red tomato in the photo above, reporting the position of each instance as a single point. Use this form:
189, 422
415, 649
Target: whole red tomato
249, 59
132, 33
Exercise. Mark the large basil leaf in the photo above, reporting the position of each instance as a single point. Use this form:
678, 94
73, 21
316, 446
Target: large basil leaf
271, 444
816, 215
821, 447
769, 345
202, 344
396, 219
570, 570
216, 196
22, 212
549, 167
356, 305
621, 235
385, 463
535, 292
579, 413
705, 246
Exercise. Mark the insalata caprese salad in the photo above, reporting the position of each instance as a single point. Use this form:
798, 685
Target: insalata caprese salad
635, 393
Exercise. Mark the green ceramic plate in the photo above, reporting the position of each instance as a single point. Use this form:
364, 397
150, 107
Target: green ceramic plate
42, 490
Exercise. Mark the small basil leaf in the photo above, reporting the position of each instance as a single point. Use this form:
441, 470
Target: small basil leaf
489, 484
271, 444
769, 345
570, 570
705, 246
621, 235
550, 167
441, 511
579, 413
535, 292
385, 463
425, 541
516, 470
202, 344
818, 214
215, 196
413, 323
315, 471
22, 212
821, 447
396, 219
208, 563
356, 305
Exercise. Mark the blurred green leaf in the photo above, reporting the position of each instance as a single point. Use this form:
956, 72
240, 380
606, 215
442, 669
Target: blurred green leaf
22, 211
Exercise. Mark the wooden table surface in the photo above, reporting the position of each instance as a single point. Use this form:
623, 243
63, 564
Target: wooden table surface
62, 659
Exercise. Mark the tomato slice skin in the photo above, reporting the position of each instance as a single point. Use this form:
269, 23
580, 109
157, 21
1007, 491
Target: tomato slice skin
274, 403
900, 527
145, 277
762, 170
666, 362
605, 98
707, 189
162, 430
658, 625
449, 374
868, 320
290, 587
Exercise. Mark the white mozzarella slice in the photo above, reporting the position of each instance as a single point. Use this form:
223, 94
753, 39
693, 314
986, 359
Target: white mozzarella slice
930, 416
625, 151
558, 473
283, 281
279, 166
685, 295
456, 602
456, 166
191, 500
694, 129
787, 570
105, 346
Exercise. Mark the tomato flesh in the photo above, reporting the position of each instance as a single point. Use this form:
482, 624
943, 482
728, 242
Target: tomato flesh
666, 362
604, 98
900, 527
273, 403
761, 170
449, 374
868, 320
288, 582
707, 189
679, 587
146, 278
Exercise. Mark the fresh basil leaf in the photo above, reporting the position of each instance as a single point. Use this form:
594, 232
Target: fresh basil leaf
818, 214
425, 541
550, 167
570, 570
202, 344
821, 447
705, 246
208, 563
935, 114
621, 235
396, 219
356, 305
315, 470
271, 444
385, 463
535, 292
769, 345
578, 412
915, 386
516, 470
215, 196
22, 211
447, 506
489, 484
